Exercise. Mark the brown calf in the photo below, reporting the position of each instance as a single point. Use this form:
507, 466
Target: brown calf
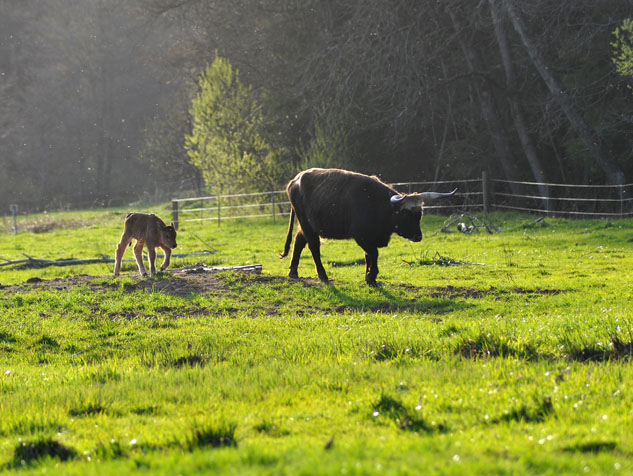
146, 229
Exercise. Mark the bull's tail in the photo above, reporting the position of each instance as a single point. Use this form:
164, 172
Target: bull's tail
289, 235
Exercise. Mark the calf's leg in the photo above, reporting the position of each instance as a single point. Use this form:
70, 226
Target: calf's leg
167, 251
120, 251
138, 254
151, 251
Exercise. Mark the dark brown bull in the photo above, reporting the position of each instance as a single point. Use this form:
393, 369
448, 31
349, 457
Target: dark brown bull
333, 203
146, 229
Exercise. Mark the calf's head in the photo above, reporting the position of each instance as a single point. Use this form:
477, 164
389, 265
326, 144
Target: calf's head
407, 212
168, 235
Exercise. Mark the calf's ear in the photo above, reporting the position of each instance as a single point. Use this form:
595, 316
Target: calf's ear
172, 225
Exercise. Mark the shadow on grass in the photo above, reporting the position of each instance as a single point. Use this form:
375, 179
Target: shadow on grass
487, 345
592, 447
218, 435
405, 420
580, 351
538, 412
344, 264
384, 300
28, 453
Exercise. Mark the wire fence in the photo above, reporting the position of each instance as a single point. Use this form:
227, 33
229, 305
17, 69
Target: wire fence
473, 195
230, 207
563, 199
275, 204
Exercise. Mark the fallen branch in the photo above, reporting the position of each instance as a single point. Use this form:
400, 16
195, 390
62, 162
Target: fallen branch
440, 260
467, 224
31, 262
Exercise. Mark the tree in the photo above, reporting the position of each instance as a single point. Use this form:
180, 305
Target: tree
163, 153
623, 46
518, 118
227, 142
585, 131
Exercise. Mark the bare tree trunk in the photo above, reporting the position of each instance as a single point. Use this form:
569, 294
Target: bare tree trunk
447, 123
587, 134
515, 111
486, 100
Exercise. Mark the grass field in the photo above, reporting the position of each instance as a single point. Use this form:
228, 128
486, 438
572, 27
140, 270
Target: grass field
505, 353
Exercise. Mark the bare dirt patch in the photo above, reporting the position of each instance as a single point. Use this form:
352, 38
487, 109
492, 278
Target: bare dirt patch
175, 283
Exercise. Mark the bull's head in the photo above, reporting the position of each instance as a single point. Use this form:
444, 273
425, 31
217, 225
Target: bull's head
408, 212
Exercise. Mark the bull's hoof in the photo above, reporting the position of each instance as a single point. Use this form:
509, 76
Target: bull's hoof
144, 275
293, 275
324, 279
372, 283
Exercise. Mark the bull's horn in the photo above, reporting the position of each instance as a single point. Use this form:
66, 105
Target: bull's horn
430, 195
410, 202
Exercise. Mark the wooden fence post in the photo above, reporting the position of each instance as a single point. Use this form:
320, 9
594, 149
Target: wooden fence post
272, 203
485, 188
174, 213
217, 197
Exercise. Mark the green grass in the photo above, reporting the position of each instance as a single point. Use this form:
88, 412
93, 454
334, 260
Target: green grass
517, 363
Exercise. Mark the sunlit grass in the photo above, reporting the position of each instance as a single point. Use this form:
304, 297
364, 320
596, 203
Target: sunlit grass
518, 364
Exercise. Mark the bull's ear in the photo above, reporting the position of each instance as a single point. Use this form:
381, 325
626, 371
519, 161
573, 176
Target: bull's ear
172, 225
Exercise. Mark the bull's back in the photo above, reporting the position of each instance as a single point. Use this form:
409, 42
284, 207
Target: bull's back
339, 204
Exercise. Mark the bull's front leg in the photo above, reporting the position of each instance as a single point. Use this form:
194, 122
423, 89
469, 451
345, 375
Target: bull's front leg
167, 252
371, 262
138, 254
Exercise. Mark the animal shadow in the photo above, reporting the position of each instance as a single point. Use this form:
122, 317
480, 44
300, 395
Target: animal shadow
383, 298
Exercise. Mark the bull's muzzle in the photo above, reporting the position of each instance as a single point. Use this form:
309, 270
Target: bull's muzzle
416, 238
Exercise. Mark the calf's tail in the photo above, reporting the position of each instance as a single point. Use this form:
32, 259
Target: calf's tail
289, 235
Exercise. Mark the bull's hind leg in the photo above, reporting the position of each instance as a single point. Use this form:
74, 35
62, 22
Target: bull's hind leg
120, 251
300, 243
314, 242
315, 248
138, 254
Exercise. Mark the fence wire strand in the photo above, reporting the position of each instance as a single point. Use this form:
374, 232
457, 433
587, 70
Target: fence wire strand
274, 204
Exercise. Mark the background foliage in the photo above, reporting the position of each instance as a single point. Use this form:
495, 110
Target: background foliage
95, 93
227, 142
